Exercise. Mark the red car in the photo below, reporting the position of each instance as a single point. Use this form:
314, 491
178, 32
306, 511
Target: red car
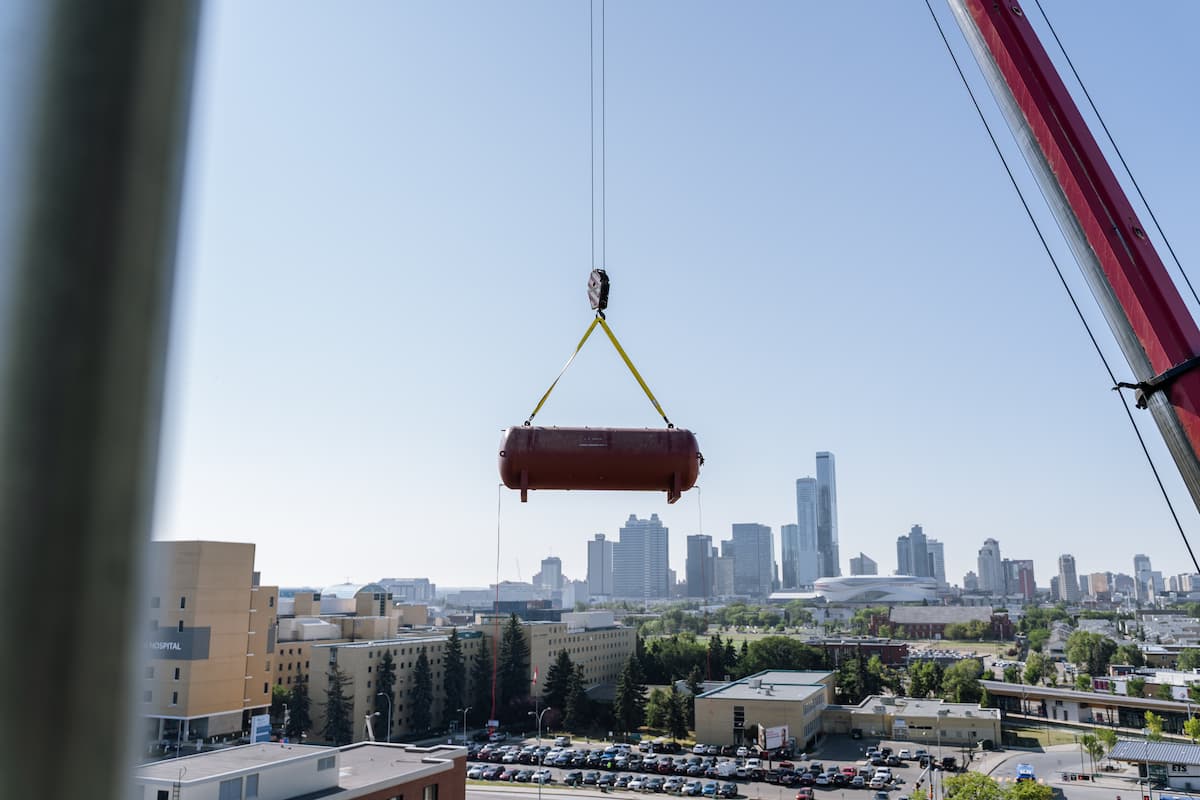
804, 794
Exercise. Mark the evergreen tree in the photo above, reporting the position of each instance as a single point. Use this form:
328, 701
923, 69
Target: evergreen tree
512, 679
299, 718
454, 675
629, 706
558, 681
677, 714
385, 690
729, 660
339, 729
714, 660
578, 707
695, 686
657, 712
422, 694
481, 685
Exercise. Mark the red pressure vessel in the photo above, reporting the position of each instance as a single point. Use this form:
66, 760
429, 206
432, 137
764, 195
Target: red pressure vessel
604, 459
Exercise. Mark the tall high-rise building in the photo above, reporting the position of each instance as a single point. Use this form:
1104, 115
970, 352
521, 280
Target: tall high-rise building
1143, 578
863, 565
1068, 581
789, 540
991, 573
1018, 577
1055, 588
753, 560
641, 559
970, 582
808, 559
903, 555
920, 554
827, 524
937, 560
551, 576
600, 567
701, 578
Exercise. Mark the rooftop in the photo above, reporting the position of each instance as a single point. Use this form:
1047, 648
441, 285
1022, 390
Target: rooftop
369, 763
1019, 690
937, 615
913, 707
1156, 752
231, 759
786, 685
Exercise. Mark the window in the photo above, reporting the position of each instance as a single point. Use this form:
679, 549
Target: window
270, 604
177, 673
429, 792
163, 794
147, 696
252, 785
183, 602
149, 672
174, 698
329, 762
154, 602
231, 789
181, 626
266, 688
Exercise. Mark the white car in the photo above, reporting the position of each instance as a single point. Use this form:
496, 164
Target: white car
692, 789
753, 763
636, 784
699, 749
742, 752
905, 755
562, 741
542, 776
877, 783
475, 772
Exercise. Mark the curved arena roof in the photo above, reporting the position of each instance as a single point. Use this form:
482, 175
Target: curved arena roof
876, 589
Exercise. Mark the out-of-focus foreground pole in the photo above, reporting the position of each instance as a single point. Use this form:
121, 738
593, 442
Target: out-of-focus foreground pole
94, 102
1143, 307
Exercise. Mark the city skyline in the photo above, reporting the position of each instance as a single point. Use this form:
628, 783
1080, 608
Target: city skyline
338, 372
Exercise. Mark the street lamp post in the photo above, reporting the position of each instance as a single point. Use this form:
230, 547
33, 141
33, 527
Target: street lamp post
464, 713
540, 775
387, 697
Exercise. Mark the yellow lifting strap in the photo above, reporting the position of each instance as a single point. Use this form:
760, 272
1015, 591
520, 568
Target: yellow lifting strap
599, 320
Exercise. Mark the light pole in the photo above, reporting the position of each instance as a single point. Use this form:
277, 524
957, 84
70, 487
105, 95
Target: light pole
539, 715
464, 713
540, 775
387, 697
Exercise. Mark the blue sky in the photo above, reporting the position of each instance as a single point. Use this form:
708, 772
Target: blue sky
812, 246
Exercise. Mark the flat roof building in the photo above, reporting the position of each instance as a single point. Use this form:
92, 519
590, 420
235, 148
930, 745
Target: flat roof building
916, 720
769, 699
368, 771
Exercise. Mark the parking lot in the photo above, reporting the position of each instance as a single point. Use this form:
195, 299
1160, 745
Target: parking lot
843, 765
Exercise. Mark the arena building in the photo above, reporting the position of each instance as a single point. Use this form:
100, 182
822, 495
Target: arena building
876, 589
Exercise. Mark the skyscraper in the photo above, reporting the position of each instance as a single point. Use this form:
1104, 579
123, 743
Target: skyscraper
937, 560
903, 555
641, 559
991, 571
1068, 582
808, 561
701, 578
1018, 575
551, 575
789, 540
919, 558
600, 567
753, 559
827, 526
1143, 578
863, 565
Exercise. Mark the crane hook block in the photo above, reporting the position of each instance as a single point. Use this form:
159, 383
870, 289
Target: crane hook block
600, 459
598, 289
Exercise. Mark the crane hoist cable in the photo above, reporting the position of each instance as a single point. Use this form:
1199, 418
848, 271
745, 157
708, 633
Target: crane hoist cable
599, 299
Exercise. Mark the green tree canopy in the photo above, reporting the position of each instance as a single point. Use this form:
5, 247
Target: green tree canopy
1192, 728
338, 729
1130, 654
578, 711
454, 675
972, 786
781, 652
925, 678
960, 682
1135, 687
481, 685
1090, 651
512, 674
421, 697
385, 694
677, 714
299, 717
1012, 674
1155, 725
1037, 666
558, 681
629, 705
1189, 659
1083, 682
657, 711
279, 698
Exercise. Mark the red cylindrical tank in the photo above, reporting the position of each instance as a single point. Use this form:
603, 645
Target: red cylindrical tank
604, 459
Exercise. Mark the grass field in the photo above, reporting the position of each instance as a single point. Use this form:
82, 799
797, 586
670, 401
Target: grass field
1045, 736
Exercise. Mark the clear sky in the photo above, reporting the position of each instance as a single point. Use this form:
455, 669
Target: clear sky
812, 247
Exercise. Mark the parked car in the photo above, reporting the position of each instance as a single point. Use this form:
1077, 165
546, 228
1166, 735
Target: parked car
573, 778
692, 789
906, 755
636, 783
562, 741
476, 772
710, 789
729, 790
858, 782
654, 785
881, 796
804, 794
